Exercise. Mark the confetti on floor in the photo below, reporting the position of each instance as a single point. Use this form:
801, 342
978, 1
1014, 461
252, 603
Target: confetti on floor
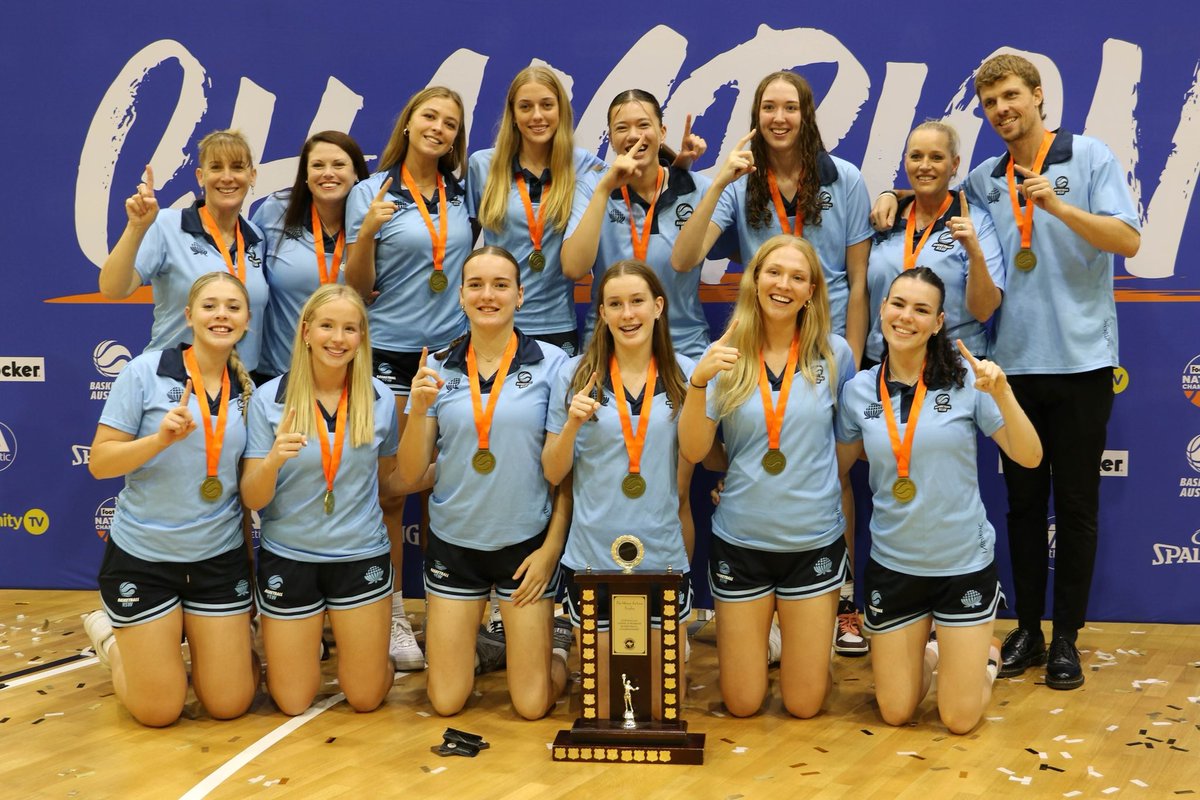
1140, 783
740, 750
1056, 711
1092, 772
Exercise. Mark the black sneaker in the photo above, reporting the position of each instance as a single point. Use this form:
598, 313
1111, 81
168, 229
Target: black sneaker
1022, 649
490, 650
1062, 667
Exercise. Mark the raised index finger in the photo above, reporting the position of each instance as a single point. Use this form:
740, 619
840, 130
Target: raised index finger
1024, 173
964, 210
149, 180
590, 385
187, 394
687, 128
383, 189
286, 425
962, 348
745, 140
728, 332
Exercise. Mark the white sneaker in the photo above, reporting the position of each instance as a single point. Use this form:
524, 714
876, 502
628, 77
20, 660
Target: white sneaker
495, 623
403, 648
774, 644
99, 631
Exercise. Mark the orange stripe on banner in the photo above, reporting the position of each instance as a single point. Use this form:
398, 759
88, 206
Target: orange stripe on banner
143, 294
1152, 296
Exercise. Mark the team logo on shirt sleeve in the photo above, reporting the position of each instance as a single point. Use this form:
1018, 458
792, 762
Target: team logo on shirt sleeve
941, 403
1061, 185
993, 196
873, 411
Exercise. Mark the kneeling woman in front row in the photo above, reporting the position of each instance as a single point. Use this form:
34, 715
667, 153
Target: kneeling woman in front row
478, 412
321, 438
915, 414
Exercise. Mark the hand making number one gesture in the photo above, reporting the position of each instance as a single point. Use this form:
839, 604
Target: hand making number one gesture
142, 207
380, 211
425, 386
288, 443
583, 404
988, 375
739, 163
178, 422
721, 356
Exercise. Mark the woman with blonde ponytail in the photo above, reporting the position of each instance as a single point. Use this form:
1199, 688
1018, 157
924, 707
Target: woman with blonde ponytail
175, 564
771, 382
321, 439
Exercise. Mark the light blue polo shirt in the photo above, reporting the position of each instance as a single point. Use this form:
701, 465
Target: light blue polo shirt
291, 274
948, 259
602, 512
174, 253
160, 515
549, 305
800, 508
294, 523
408, 315
680, 195
1059, 317
944, 530
512, 503
845, 212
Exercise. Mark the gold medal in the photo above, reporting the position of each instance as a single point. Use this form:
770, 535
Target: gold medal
634, 486
904, 490
773, 461
537, 261
438, 281
1026, 259
483, 461
210, 489
328, 502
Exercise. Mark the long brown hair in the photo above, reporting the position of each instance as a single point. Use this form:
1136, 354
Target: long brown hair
739, 384
557, 197
808, 146
601, 347
300, 200
235, 360
397, 146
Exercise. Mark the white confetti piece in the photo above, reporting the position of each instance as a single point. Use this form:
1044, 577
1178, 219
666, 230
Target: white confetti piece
1056, 711
1065, 754
422, 713
1060, 737
256, 779
1194, 699
1111, 789
1073, 793
740, 750
1093, 774
1160, 724
698, 688
1148, 682
1005, 771
1137, 782
1074, 741
436, 770
1137, 633
1094, 628
1044, 756
1024, 781
717, 714
53, 714
907, 753
994, 719
271, 782
1112, 727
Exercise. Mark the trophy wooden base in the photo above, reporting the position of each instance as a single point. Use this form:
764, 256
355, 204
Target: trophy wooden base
606, 741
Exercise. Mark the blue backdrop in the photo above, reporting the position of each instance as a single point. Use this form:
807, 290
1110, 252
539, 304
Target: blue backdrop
93, 95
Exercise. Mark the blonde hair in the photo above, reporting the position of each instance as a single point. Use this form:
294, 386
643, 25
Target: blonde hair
737, 385
397, 146
943, 128
557, 197
229, 143
301, 387
235, 360
601, 346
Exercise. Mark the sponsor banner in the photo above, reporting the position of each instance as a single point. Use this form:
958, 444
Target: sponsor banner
27, 369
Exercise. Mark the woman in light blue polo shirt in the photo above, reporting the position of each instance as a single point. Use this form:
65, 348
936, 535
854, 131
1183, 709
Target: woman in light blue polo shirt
321, 439
331, 163
408, 232
932, 546
171, 248
176, 563
771, 383
479, 415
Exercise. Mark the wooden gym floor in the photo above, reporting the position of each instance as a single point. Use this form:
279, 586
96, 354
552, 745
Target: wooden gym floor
1133, 730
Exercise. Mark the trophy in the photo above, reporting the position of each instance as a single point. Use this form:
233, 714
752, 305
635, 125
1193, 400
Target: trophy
628, 731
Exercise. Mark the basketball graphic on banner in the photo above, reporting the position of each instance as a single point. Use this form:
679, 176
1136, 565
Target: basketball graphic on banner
110, 357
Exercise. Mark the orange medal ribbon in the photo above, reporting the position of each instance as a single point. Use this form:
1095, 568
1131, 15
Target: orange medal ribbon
214, 436
536, 225
331, 460
780, 211
1024, 219
210, 225
904, 489
634, 442
774, 461
484, 461
642, 244
436, 236
327, 274
910, 228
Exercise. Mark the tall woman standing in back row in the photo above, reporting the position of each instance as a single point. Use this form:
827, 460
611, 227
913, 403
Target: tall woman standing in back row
407, 235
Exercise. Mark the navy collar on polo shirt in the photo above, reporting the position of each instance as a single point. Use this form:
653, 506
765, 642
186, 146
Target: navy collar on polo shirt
679, 182
827, 174
776, 381
330, 419
453, 187
635, 403
1060, 150
534, 183
906, 391
190, 222
529, 351
170, 365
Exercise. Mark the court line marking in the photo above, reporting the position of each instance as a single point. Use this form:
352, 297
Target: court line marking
41, 676
226, 770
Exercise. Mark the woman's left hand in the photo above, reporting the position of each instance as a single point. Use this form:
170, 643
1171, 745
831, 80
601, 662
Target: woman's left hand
691, 148
961, 227
988, 375
535, 574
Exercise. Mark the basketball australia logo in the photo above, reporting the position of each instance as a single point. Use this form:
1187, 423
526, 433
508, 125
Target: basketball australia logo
109, 357
1189, 485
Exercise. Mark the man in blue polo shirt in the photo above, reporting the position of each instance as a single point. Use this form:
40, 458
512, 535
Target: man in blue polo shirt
1062, 209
